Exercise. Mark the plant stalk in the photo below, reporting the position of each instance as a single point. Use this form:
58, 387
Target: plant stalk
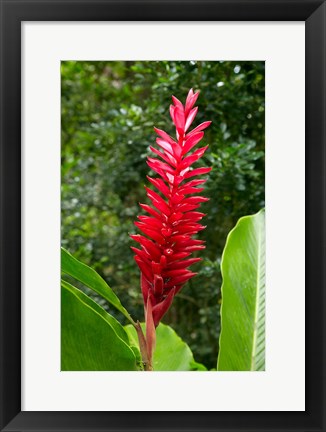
148, 362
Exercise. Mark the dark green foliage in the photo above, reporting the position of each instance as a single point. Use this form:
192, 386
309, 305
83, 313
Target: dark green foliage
108, 113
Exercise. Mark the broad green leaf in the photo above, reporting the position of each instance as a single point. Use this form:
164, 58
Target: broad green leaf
91, 339
117, 327
171, 352
242, 339
199, 367
71, 266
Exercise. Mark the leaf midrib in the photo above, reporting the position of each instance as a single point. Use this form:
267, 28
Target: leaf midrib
254, 344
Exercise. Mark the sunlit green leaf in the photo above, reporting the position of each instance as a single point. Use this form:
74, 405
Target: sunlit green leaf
242, 340
91, 340
90, 278
171, 352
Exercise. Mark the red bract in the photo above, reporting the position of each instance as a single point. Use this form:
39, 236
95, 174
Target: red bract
167, 243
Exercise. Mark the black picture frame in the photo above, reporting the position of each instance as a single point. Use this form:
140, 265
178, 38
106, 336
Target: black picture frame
13, 13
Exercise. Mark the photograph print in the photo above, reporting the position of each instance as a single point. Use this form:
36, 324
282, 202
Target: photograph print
163, 216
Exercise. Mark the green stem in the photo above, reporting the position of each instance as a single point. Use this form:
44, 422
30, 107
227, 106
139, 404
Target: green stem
148, 362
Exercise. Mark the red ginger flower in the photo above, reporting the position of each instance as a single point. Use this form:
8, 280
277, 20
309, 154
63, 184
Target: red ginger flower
164, 255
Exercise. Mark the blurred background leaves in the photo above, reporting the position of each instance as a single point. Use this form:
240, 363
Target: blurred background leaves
108, 113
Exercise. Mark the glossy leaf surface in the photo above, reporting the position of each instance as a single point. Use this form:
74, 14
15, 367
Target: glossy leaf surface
242, 340
91, 339
80, 271
171, 352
